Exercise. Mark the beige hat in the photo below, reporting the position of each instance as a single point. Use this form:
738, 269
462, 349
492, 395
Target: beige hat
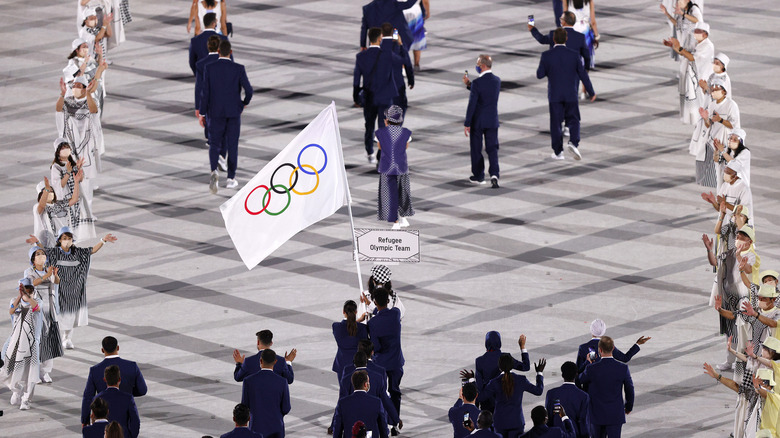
764, 433
766, 374
772, 343
769, 273
745, 210
767, 291
748, 230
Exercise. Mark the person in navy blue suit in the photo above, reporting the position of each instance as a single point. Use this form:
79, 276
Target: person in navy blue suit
199, 44
574, 39
573, 400
267, 395
482, 121
347, 333
391, 11
246, 366
507, 389
607, 380
487, 365
121, 405
375, 67
563, 68
401, 60
597, 330
484, 426
465, 405
367, 347
541, 421
385, 332
377, 387
132, 382
200, 67
99, 420
241, 416
360, 406
221, 102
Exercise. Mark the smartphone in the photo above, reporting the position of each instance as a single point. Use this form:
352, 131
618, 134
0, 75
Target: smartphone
530, 20
557, 406
395, 34
593, 355
467, 74
466, 417
369, 434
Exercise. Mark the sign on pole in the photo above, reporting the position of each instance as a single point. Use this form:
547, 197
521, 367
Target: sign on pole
377, 245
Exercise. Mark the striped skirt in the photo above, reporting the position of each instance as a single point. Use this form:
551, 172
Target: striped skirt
705, 170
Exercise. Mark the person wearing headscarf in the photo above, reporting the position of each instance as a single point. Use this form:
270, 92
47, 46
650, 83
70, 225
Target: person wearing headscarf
380, 277
598, 328
45, 278
21, 351
394, 200
73, 263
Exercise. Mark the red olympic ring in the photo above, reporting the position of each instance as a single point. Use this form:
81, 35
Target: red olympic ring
246, 200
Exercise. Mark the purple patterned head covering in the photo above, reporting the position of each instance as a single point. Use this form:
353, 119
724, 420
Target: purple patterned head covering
394, 114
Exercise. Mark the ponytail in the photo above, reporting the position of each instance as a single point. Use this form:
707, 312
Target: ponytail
505, 364
350, 309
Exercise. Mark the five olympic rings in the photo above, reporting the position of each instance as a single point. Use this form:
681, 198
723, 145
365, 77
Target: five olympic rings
282, 189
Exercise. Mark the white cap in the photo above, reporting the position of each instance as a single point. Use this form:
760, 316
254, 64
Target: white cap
90, 12
81, 79
739, 132
703, 26
722, 58
76, 43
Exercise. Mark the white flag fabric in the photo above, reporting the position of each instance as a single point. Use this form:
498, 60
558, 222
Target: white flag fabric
302, 185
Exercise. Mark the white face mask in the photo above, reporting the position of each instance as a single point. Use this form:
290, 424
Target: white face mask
716, 67
733, 144
64, 153
40, 259
741, 245
91, 23
66, 243
727, 177
718, 94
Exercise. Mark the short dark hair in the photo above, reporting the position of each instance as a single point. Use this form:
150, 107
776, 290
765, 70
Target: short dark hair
213, 43
569, 18
110, 344
268, 356
209, 19
539, 415
560, 35
606, 344
381, 296
470, 392
241, 414
99, 407
569, 371
360, 359
366, 346
265, 337
387, 29
485, 419
111, 375
374, 34
225, 48
359, 379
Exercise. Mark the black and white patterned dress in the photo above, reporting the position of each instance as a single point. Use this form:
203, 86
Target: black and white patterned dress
83, 131
79, 214
45, 225
21, 351
73, 270
51, 345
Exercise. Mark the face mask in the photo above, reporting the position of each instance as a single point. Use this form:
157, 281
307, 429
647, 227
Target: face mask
699, 36
64, 153
66, 243
40, 259
479, 69
716, 67
733, 144
727, 177
718, 94
91, 23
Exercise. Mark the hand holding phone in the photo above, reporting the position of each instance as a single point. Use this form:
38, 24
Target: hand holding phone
531, 20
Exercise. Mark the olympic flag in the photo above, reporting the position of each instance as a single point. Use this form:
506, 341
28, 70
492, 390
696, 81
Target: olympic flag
305, 183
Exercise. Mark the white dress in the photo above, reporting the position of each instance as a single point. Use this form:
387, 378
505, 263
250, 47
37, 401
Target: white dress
84, 133
690, 73
203, 10
702, 142
21, 351
51, 346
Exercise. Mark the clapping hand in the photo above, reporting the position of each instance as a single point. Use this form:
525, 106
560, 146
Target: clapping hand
723, 207
63, 87
743, 262
718, 144
728, 344
703, 84
703, 113
108, 18
663, 9
466, 375
749, 310
290, 357
539, 366
709, 197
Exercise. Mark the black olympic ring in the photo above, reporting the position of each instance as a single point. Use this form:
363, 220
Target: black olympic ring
273, 187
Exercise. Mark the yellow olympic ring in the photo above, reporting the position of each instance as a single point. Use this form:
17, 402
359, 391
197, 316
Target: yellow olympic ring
316, 173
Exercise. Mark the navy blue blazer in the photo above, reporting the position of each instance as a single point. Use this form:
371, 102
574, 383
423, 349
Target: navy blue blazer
545, 431
377, 386
509, 410
199, 47
251, 365
268, 397
593, 344
385, 331
241, 432
607, 379
564, 69
574, 41
97, 430
346, 344
575, 403
222, 84
122, 409
386, 11
381, 83
401, 60
200, 67
456, 413
359, 406
482, 111
372, 366
132, 382
487, 367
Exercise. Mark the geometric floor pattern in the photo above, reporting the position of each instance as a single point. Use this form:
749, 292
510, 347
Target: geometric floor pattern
615, 236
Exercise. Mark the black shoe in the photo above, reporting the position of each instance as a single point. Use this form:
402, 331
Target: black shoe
494, 181
475, 180
393, 431
330, 430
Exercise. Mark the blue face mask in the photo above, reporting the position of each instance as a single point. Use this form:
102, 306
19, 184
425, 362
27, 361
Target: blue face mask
479, 69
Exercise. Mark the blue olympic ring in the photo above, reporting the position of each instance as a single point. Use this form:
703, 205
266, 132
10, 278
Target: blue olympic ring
325, 154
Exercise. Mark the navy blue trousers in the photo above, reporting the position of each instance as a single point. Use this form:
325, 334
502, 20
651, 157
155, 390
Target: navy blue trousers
373, 115
606, 430
570, 112
394, 387
223, 134
558, 11
491, 147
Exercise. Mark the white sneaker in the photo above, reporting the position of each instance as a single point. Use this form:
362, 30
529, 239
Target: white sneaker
566, 131
371, 159
558, 156
46, 378
575, 151
15, 398
68, 344
214, 182
231, 183
404, 223
725, 366
396, 226
25, 405
222, 163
